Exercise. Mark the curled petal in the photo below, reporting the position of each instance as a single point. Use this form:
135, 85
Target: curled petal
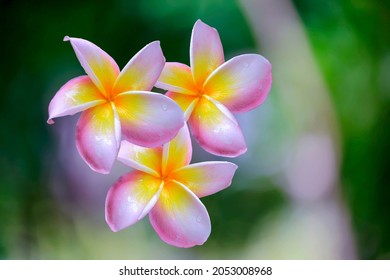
144, 159
148, 119
206, 52
131, 198
179, 217
177, 77
242, 83
206, 178
142, 71
216, 129
178, 152
75, 96
98, 137
99, 66
186, 102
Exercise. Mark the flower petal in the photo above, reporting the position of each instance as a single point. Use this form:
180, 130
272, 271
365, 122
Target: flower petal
242, 83
177, 77
142, 71
148, 119
206, 52
186, 102
179, 217
144, 159
131, 198
75, 96
99, 66
98, 137
178, 152
216, 129
206, 178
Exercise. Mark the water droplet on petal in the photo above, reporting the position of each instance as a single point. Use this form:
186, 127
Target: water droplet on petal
199, 219
164, 107
246, 64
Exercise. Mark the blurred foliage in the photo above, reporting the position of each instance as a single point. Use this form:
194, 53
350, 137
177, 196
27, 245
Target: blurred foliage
352, 47
351, 42
231, 221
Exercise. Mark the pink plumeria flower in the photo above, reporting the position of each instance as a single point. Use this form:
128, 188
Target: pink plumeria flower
165, 186
211, 90
116, 103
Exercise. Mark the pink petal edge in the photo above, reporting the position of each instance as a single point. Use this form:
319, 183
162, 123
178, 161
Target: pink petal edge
98, 136
180, 218
130, 199
206, 51
75, 96
100, 66
147, 160
148, 119
216, 129
143, 70
206, 178
242, 83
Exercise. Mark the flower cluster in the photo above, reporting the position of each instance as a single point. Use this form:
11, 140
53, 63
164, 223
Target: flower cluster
122, 119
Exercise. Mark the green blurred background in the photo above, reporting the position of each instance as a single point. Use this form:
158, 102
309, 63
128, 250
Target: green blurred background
314, 183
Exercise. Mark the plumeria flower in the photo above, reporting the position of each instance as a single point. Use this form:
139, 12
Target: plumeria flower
116, 103
211, 90
165, 186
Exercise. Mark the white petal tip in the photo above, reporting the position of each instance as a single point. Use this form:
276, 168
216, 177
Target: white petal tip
199, 23
113, 228
66, 38
233, 164
50, 121
101, 171
232, 154
240, 152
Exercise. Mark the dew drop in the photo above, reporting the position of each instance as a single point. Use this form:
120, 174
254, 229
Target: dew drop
199, 219
246, 64
164, 107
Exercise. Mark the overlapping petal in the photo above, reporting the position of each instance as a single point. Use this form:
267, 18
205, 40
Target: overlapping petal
242, 83
186, 102
205, 178
144, 159
98, 137
179, 217
99, 66
142, 71
148, 119
131, 198
216, 129
178, 152
75, 96
206, 52
177, 77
